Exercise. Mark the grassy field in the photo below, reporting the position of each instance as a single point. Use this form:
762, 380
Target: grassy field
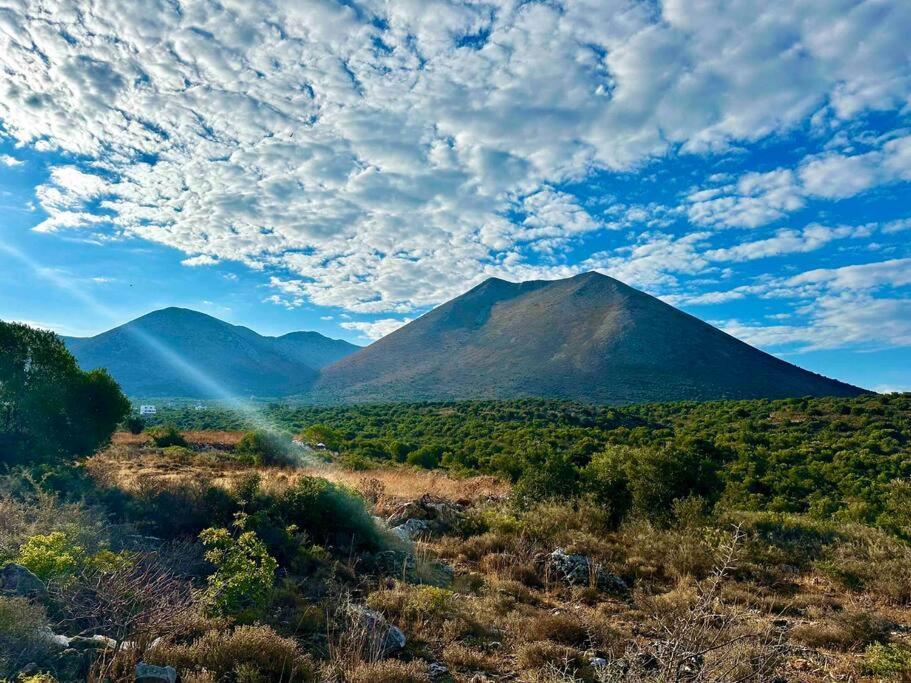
743, 596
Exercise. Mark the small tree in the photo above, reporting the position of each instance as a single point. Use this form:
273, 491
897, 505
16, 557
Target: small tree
244, 570
135, 424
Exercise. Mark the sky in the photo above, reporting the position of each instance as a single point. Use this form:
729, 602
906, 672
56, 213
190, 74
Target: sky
344, 166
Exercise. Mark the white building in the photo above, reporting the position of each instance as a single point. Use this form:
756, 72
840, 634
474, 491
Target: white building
146, 410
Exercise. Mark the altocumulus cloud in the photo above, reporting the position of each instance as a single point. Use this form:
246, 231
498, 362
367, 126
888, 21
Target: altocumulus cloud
381, 156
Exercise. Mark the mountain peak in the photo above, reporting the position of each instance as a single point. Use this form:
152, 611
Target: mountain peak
588, 337
150, 356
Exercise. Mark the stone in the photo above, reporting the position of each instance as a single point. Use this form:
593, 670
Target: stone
597, 662
579, 570
53, 641
19, 581
95, 642
389, 638
149, 673
437, 670
71, 665
411, 529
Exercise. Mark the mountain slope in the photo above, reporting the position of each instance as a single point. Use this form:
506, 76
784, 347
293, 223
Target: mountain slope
179, 352
588, 337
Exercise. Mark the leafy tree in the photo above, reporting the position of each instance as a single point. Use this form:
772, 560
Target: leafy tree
49, 408
320, 433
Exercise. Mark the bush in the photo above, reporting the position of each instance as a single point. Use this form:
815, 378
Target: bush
244, 570
389, 671
327, 512
243, 653
134, 424
166, 435
892, 660
21, 625
843, 630
264, 448
547, 475
427, 457
321, 434
51, 555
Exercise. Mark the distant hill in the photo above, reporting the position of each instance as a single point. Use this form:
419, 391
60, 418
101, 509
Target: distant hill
179, 352
588, 337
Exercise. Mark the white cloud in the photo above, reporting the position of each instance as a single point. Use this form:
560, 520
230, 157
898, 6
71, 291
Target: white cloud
376, 329
761, 198
7, 160
387, 163
836, 322
201, 260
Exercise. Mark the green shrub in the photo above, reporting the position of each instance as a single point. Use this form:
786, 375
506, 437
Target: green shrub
427, 457
326, 512
547, 475
244, 570
134, 424
166, 435
57, 554
321, 434
264, 448
51, 555
891, 660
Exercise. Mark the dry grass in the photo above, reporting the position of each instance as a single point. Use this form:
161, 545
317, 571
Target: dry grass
130, 461
209, 438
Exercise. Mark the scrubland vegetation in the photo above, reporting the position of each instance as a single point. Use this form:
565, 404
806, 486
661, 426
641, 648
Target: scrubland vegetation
532, 541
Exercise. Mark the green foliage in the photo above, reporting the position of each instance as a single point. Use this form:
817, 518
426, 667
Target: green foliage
427, 457
264, 448
829, 457
326, 512
322, 434
51, 555
547, 474
892, 660
134, 424
244, 570
49, 408
57, 555
166, 435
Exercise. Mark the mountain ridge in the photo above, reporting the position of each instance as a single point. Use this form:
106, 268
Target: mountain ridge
588, 337
182, 352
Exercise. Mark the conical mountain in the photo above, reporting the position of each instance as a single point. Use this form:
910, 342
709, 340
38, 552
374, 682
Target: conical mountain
588, 337
185, 353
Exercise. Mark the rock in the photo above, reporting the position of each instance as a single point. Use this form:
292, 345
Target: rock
72, 665
437, 670
578, 570
597, 662
53, 641
439, 516
389, 638
19, 581
95, 642
149, 673
411, 529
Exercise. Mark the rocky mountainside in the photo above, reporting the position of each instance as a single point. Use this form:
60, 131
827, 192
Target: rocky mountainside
588, 337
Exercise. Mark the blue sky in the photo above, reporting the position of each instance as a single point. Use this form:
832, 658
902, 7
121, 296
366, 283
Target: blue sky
344, 166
